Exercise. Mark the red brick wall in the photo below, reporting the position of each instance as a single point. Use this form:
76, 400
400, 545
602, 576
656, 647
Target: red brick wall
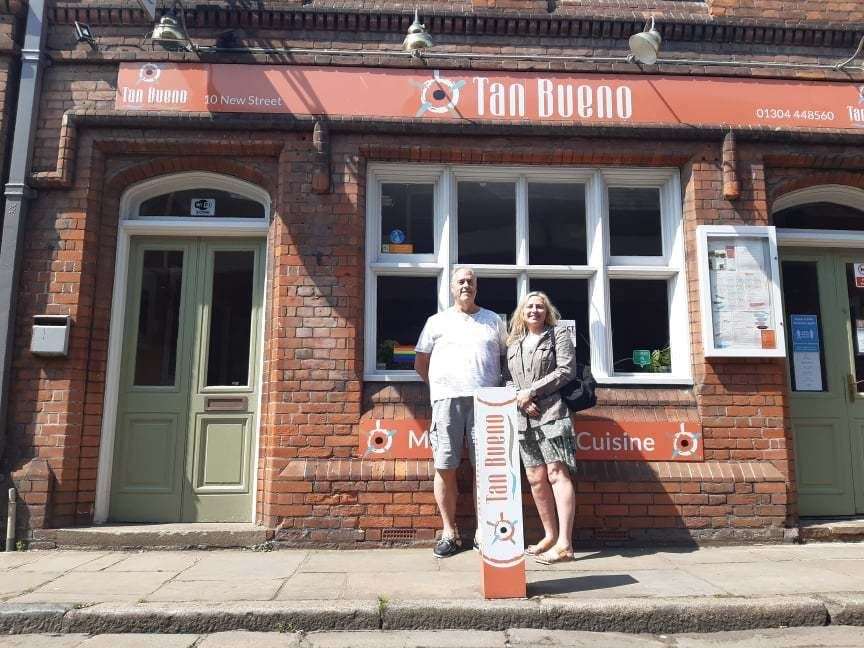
312, 485
834, 11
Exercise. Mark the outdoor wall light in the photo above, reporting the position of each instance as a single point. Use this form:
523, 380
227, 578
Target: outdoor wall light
83, 34
645, 45
418, 38
171, 34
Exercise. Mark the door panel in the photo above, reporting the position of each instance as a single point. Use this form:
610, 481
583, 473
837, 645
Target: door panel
155, 373
819, 400
188, 385
150, 439
225, 389
851, 314
221, 454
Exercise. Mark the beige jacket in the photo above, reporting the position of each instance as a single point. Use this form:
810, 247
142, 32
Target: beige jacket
549, 367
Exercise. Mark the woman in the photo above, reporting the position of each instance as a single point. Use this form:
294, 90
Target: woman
540, 360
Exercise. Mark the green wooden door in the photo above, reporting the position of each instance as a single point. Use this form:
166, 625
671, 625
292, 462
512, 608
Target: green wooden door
188, 381
826, 406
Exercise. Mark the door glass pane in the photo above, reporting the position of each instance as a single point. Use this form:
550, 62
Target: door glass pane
634, 222
159, 318
570, 297
487, 222
556, 224
230, 318
804, 322
640, 325
404, 303
855, 292
407, 212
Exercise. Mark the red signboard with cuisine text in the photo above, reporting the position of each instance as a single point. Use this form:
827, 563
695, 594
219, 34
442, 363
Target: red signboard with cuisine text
596, 439
459, 95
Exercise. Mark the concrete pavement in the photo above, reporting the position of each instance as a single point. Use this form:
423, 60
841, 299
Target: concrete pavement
819, 637
653, 591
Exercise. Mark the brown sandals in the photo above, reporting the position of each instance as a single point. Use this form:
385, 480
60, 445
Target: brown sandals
553, 556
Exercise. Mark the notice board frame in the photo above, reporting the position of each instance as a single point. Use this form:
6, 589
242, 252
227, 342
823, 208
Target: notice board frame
768, 235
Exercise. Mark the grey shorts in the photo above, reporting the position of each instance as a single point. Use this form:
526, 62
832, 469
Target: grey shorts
452, 427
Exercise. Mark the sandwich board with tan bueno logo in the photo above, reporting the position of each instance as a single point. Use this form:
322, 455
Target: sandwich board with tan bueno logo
499, 494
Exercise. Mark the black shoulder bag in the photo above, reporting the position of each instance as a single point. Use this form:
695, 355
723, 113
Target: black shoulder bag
581, 392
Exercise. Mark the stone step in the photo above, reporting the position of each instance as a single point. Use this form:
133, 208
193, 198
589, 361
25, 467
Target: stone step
153, 536
831, 529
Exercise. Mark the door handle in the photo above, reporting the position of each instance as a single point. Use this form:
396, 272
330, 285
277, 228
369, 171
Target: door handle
851, 388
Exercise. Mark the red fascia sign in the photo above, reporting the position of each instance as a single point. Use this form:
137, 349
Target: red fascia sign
481, 96
596, 440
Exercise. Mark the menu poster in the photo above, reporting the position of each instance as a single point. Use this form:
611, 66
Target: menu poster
740, 287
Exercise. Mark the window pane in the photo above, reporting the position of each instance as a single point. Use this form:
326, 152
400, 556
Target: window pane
570, 297
230, 318
556, 224
821, 216
487, 222
159, 317
407, 218
801, 297
498, 295
634, 222
640, 325
202, 203
404, 303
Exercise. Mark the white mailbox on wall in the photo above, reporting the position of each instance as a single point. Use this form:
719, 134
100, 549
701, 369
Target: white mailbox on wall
50, 335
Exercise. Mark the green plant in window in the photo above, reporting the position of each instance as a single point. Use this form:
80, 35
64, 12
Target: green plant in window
384, 355
661, 360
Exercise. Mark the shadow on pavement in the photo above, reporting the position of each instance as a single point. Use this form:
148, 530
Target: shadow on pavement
579, 584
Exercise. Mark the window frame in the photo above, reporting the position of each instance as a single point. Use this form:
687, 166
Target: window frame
600, 268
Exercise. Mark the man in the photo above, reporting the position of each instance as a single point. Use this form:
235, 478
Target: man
459, 351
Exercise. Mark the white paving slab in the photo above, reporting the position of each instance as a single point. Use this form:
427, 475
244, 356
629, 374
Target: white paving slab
13, 559
224, 565
373, 561
406, 585
407, 639
812, 637
528, 638
96, 587
60, 561
240, 639
168, 561
42, 641
217, 591
141, 641
767, 578
15, 583
315, 586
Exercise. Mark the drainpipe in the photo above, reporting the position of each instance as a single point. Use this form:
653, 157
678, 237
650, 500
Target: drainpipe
18, 193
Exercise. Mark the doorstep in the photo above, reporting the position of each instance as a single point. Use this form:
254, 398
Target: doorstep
831, 529
153, 536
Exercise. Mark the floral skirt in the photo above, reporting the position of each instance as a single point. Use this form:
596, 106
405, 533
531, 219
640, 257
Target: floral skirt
538, 449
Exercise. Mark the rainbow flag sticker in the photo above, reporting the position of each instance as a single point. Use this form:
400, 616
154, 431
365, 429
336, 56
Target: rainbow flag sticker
404, 354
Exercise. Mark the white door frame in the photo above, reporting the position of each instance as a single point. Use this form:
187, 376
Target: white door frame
131, 225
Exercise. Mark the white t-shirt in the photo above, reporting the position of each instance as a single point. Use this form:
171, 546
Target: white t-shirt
466, 352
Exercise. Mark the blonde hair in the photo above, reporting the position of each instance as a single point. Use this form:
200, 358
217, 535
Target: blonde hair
518, 328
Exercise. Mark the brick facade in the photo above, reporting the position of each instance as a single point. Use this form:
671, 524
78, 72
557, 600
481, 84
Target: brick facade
312, 484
